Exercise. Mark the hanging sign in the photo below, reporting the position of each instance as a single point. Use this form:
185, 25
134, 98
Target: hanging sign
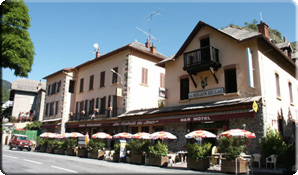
255, 106
206, 93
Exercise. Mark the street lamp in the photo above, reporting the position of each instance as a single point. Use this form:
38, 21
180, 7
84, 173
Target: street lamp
112, 70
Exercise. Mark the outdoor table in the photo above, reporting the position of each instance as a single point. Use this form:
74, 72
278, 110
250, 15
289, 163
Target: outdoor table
181, 155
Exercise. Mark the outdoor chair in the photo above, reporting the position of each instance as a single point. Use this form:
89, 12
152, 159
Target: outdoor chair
172, 158
272, 159
249, 160
107, 155
257, 158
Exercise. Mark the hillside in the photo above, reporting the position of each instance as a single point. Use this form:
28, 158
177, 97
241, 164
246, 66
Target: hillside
5, 90
274, 34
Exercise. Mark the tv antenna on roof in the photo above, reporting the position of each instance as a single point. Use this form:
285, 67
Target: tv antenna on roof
149, 18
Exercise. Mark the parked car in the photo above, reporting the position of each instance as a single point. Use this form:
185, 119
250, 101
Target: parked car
20, 142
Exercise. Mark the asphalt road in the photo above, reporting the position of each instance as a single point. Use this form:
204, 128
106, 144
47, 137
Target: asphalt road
20, 162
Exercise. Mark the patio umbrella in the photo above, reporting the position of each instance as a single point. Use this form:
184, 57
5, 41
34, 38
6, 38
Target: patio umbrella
141, 135
238, 133
53, 135
122, 135
163, 135
101, 135
200, 134
45, 134
63, 135
75, 134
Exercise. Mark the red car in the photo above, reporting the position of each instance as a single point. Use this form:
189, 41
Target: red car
20, 142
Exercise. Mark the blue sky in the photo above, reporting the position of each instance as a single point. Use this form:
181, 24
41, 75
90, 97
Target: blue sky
63, 33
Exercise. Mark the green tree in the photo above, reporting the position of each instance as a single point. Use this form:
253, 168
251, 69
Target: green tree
17, 47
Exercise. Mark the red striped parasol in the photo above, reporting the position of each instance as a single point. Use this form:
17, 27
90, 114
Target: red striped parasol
122, 135
101, 135
200, 134
142, 135
163, 135
238, 133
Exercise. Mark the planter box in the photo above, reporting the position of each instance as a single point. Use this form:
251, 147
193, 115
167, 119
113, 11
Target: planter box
60, 150
116, 157
137, 159
82, 153
49, 150
230, 166
201, 164
56, 151
43, 149
70, 152
97, 155
158, 161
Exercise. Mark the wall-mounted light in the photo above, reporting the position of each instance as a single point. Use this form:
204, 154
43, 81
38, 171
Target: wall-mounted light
204, 82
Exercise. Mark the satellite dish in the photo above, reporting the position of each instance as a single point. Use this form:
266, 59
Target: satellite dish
95, 45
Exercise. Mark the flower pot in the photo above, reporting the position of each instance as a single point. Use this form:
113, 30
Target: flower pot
82, 153
230, 166
49, 150
158, 161
43, 148
201, 164
137, 159
70, 152
97, 154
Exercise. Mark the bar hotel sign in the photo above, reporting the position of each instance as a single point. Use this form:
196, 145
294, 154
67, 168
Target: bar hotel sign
206, 93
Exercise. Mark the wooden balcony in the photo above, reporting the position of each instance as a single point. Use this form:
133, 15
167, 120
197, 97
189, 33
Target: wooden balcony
200, 60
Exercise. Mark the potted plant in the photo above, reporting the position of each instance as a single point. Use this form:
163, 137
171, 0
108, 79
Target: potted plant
116, 155
51, 145
95, 148
71, 143
158, 154
42, 144
82, 152
61, 146
233, 147
197, 156
137, 149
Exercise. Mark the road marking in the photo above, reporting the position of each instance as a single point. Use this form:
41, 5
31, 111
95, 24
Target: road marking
10, 157
32, 161
64, 169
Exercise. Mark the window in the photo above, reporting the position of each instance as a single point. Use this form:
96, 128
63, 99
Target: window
112, 104
230, 80
91, 107
53, 90
145, 76
71, 86
102, 105
78, 107
290, 92
91, 82
82, 85
56, 107
49, 89
115, 76
86, 106
184, 88
277, 84
102, 79
162, 80
58, 87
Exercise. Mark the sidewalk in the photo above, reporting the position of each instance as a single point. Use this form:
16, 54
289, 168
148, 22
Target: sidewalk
217, 168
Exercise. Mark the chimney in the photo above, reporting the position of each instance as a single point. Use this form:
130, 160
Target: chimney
153, 49
97, 53
147, 44
263, 28
285, 39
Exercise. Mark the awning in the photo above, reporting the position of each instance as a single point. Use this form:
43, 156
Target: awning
186, 118
51, 120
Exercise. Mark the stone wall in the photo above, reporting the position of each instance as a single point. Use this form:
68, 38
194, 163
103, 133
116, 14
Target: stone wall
254, 125
179, 130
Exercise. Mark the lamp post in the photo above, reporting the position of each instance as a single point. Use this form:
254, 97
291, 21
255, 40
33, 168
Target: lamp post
112, 70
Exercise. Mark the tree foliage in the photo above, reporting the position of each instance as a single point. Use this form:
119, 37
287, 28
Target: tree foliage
197, 152
17, 47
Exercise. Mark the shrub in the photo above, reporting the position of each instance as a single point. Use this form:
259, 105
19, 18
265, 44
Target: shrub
41, 141
61, 144
232, 146
52, 143
272, 143
138, 146
95, 145
158, 150
117, 148
196, 152
71, 143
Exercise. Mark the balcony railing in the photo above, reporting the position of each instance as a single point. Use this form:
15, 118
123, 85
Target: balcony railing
87, 116
201, 60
